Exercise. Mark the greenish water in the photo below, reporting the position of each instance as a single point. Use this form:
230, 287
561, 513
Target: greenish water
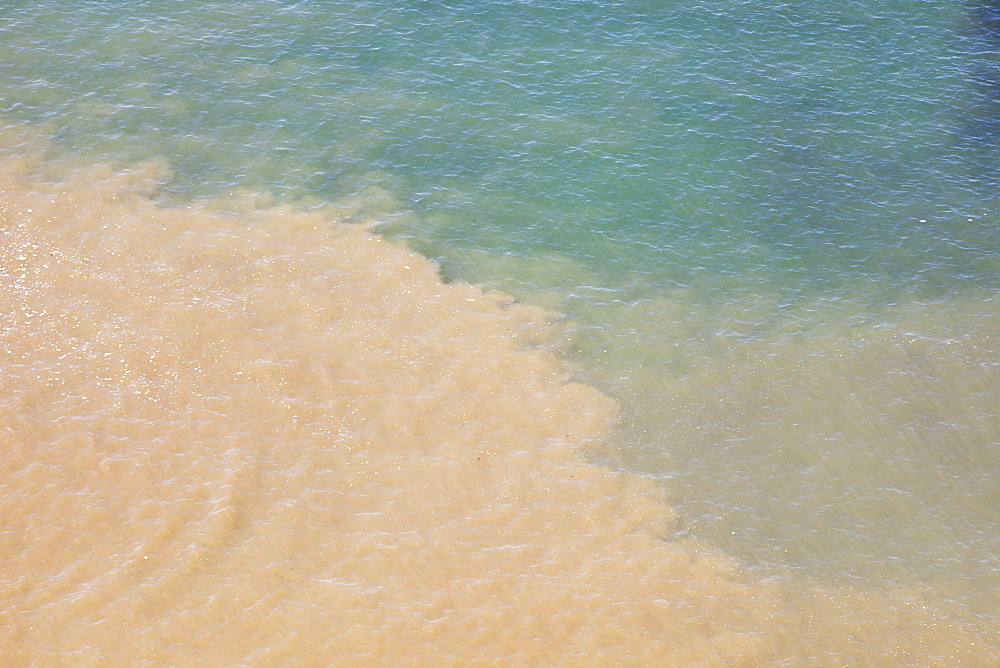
773, 225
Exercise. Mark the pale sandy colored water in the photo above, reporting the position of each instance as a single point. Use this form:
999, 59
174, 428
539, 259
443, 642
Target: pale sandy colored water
248, 439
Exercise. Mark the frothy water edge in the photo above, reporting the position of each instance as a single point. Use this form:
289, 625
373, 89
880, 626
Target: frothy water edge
281, 428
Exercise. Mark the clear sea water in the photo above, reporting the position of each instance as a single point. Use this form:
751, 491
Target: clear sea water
771, 227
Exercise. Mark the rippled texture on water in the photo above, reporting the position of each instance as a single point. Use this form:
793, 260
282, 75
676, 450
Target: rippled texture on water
773, 227
272, 436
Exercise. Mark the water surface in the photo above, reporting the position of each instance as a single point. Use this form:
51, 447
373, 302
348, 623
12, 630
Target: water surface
770, 231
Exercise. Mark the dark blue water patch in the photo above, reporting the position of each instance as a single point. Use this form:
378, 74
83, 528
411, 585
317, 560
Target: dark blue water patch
981, 121
986, 19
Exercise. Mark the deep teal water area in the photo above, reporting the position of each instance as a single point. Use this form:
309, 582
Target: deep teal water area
773, 224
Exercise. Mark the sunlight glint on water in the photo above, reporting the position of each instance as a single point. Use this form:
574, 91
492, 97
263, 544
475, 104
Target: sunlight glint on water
773, 229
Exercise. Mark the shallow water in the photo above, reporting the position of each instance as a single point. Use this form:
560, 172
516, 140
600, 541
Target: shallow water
771, 232
277, 427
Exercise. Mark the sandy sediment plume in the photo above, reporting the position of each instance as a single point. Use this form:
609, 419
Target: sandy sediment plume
264, 437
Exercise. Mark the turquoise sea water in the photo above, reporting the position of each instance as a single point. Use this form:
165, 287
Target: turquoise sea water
773, 226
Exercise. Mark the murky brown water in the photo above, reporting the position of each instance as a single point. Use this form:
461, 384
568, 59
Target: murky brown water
272, 437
